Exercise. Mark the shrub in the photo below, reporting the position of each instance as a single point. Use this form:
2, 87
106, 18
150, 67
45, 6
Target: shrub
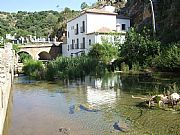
76, 67
104, 52
169, 58
34, 69
138, 48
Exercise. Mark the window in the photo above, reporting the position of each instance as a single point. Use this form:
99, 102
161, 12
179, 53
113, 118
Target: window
68, 47
68, 34
89, 41
83, 43
83, 27
123, 26
77, 29
77, 45
72, 44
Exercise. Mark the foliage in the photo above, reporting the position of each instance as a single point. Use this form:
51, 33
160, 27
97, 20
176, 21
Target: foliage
169, 58
24, 57
104, 52
39, 24
16, 48
138, 48
84, 5
34, 68
76, 67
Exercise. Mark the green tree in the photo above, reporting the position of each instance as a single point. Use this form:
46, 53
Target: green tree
34, 69
24, 57
104, 52
169, 58
139, 48
84, 5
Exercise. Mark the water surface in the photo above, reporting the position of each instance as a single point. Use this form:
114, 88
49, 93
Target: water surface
90, 106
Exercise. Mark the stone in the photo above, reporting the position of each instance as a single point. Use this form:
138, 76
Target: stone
64, 131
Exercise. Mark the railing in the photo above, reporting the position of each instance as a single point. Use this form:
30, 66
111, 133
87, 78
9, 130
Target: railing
82, 46
76, 46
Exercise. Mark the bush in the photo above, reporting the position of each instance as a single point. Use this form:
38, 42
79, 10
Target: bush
34, 69
76, 67
169, 58
24, 57
138, 48
104, 52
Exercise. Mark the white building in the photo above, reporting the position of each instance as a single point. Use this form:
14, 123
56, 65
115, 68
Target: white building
90, 27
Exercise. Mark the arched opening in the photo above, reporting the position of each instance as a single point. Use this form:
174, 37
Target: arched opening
22, 56
44, 56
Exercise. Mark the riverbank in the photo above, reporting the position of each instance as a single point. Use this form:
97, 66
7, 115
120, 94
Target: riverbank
6, 79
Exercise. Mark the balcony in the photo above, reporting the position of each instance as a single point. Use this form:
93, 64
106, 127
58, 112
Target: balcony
76, 46
82, 46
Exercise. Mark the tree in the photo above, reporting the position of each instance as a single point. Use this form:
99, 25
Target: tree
84, 5
51, 20
139, 48
104, 52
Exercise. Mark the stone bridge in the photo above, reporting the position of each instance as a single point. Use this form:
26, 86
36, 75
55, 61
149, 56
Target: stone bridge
42, 51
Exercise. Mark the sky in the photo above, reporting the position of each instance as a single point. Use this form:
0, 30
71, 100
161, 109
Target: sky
41, 5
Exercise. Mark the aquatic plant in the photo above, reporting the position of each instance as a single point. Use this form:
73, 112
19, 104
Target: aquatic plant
72, 68
34, 68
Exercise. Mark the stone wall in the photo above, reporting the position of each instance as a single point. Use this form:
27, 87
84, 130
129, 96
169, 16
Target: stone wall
6, 79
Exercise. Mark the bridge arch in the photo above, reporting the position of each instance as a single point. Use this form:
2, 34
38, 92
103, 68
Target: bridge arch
23, 55
44, 55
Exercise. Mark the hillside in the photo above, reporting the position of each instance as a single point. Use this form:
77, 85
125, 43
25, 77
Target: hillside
53, 23
40, 24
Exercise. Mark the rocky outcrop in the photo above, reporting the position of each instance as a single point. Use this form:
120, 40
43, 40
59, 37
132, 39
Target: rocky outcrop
167, 17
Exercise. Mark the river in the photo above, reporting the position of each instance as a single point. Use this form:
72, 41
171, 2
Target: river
91, 106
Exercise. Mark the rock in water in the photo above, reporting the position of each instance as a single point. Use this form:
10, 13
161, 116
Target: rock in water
123, 127
64, 131
175, 96
71, 109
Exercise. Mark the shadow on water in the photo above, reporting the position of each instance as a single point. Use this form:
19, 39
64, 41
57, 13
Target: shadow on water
76, 108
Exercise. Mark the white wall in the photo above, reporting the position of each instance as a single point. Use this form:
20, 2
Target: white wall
97, 21
110, 38
64, 50
71, 26
123, 21
93, 22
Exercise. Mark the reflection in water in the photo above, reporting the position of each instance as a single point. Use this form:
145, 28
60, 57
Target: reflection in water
99, 97
91, 106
